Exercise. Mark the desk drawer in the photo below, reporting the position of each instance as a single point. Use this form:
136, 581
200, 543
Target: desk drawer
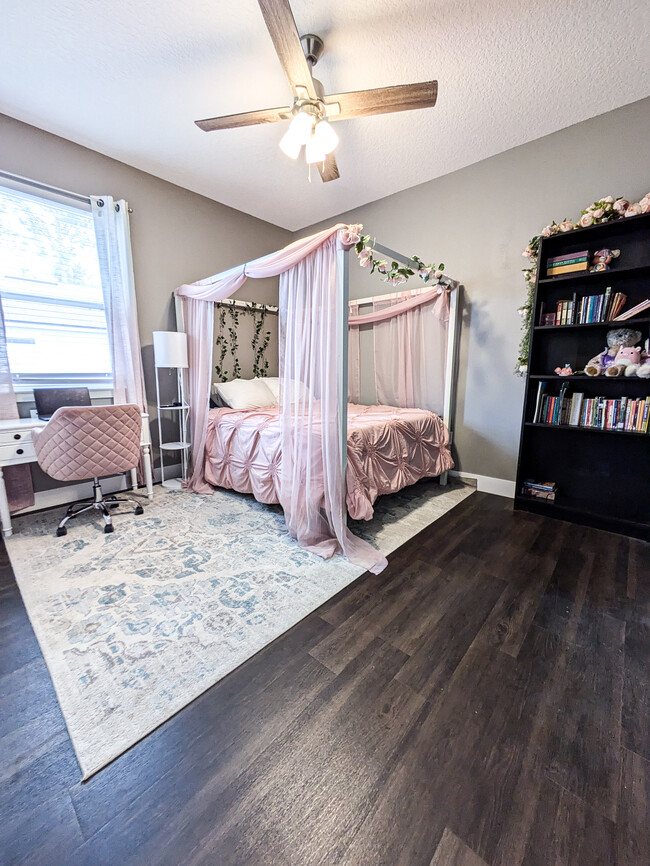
20, 452
15, 437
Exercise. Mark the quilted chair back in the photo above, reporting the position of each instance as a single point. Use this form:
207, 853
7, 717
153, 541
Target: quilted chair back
80, 442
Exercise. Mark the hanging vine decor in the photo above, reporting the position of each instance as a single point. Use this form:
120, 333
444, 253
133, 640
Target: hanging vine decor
222, 345
234, 344
260, 343
227, 342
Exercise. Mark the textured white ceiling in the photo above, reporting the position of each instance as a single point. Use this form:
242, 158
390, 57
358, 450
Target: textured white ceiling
129, 78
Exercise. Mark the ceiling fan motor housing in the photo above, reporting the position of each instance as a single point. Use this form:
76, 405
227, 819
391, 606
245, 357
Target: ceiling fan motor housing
313, 47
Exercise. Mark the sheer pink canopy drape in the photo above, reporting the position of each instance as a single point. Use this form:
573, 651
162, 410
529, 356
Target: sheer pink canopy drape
312, 485
410, 341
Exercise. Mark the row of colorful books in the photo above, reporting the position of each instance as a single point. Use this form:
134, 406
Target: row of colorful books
567, 264
590, 308
576, 410
539, 489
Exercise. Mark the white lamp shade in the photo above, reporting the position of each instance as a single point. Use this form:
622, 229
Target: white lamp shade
170, 349
325, 136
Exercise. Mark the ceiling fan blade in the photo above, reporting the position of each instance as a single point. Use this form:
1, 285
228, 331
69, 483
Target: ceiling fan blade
382, 100
329, 170
282, 28
249, 118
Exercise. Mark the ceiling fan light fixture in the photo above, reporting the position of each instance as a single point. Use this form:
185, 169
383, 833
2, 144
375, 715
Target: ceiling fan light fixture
314, 151
325, 136
298, 134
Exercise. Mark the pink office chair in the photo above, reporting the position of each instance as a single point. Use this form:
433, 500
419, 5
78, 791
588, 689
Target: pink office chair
81, 442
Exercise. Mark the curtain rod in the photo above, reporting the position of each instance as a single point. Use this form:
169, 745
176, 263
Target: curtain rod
46, 187
246, 305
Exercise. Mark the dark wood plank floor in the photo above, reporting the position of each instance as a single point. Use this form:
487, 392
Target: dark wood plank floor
482, 702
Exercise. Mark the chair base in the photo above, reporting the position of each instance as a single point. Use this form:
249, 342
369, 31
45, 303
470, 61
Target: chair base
100, 503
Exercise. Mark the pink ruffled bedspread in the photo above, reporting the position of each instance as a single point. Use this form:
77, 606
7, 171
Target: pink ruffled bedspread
388, 449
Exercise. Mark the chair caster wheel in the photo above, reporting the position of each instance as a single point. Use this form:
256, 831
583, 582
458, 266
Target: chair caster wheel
61, 530
109, 528
139, 510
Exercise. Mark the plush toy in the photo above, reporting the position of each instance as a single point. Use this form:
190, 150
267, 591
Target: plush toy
620, 338
626, 362
644, 370
601, 260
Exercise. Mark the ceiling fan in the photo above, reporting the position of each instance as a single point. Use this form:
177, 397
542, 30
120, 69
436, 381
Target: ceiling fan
312, 109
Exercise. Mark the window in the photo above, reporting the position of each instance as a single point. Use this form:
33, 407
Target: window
51, 294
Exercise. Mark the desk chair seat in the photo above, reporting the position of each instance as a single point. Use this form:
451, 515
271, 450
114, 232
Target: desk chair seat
82, 442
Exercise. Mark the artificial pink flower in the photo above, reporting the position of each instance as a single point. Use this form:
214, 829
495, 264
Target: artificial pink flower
351, 234
586, 220
438, 274
566, 226
621, 205
598, 213
645, 204
365, 258
634, 210
609, 199
546, 232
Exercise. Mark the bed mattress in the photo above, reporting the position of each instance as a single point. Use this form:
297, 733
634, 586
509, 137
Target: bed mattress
388, 449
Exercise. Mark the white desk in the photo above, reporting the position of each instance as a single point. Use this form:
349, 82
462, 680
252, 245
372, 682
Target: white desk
16, 446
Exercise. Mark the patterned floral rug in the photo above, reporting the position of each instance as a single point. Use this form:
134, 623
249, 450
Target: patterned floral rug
135, 625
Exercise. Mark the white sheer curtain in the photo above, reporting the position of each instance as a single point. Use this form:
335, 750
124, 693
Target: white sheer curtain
312, 488
409, 356
113, 235
17, 479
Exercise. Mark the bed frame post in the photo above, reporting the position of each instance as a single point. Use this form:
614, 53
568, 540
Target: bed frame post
450, 366
179, 309
342, 310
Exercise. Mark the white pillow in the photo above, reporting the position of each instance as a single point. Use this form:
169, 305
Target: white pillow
245, 394
273, 384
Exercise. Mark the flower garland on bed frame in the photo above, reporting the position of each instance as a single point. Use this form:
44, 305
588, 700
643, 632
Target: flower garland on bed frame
396, 274
602, 211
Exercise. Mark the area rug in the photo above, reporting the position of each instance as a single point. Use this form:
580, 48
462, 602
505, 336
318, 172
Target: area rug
135, 625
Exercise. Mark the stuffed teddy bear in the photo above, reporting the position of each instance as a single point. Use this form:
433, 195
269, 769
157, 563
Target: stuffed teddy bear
620, 338
626, 362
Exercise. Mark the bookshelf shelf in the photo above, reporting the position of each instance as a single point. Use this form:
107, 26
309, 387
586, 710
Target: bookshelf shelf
589, 470
600, 380
579, 429
624, 323
586, 276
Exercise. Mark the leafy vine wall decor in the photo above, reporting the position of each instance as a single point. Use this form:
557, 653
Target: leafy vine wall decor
602, 211
227, 342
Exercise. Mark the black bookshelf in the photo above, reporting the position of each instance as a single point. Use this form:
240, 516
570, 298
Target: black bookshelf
602, 480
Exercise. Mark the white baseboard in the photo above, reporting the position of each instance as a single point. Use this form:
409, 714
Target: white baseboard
74, 492
488, 484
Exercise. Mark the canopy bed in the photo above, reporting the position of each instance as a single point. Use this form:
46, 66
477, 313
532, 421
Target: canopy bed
312, 453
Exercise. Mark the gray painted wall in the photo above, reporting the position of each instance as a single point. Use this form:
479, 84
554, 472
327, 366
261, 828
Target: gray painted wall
478, 220
177, 236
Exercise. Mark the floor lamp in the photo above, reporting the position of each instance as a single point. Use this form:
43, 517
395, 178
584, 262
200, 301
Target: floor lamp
170, 351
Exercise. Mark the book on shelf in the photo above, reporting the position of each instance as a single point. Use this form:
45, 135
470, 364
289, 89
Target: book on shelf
633, 311
624, 414
539, 489
567, 264
599, 308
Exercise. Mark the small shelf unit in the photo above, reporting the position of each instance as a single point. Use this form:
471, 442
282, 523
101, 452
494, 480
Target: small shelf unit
602, 480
